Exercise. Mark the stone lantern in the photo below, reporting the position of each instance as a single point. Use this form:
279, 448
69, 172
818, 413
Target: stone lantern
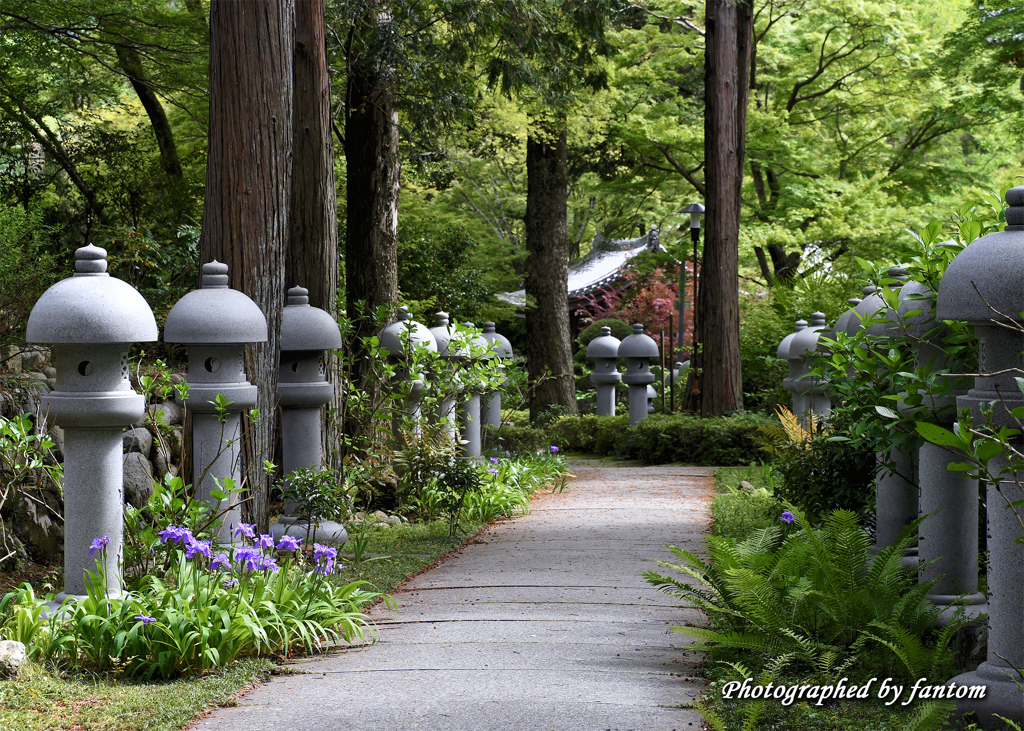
805, 345
638, 349
443, 332
783, 353
216, 323
947, 539
844, 319
90, 319
652, 394
604, 350
405, 331
490, 404
982, 286
896, 488
469, 408
307, 333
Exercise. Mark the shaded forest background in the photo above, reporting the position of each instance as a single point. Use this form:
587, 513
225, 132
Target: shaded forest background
866, 118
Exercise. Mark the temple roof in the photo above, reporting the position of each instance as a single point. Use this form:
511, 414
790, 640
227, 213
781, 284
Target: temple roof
601, 267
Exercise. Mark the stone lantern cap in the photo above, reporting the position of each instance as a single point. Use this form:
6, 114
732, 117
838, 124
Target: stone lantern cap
637, 345
478, 342
443, 332
784, 346
844, 319
869, 304
391, 337
987, 275
805, 342
892, 328
91, 307
499, 343
307, 328
605, 345
215, 314
916, 296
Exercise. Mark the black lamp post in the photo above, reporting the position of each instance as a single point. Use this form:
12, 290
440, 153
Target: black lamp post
695, 210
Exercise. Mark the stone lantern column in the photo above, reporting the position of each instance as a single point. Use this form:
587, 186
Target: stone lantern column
443, 333
490, 403
395, 338
638, 349
91, 319
604, 350
307, 333
896, 483
216, 323
982, 286
947, 540
783, 353
469, 408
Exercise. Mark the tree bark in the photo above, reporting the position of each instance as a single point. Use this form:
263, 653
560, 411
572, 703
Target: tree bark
245, 214
129, 61
729, 26
312, 254
373, 178
548, 343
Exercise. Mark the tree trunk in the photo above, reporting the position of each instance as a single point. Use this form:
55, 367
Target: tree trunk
312, 258
129, 61
245, 213
726, 67
373, 177
548, 343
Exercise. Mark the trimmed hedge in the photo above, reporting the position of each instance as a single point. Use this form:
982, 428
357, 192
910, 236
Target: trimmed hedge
658, 439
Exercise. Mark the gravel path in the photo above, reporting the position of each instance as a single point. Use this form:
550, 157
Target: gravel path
543, 624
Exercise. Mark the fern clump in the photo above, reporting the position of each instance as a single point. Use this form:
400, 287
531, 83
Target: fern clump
804, 594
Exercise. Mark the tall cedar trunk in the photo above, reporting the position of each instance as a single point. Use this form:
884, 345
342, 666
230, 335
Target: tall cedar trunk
726, 67
245, 213
312, 255
548, 344
373, 177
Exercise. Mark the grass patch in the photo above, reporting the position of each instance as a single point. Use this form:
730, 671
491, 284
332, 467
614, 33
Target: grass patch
737, 512
43, 701
396, 552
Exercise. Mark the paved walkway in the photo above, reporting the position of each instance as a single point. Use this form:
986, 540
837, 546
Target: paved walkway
544, 624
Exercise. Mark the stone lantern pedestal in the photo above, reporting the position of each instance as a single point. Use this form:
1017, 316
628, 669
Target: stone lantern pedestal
638, 350
604, 350
982, 286
307, 333
490, 403
91, 319
216, 323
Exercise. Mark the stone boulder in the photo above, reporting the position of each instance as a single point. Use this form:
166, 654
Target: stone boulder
138, 480
137, 439
12, 658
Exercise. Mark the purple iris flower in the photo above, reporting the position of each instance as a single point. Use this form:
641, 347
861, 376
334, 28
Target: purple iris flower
246, 529
787, 517
249, 558
175, 534
494, 460
493, 472
145, 618
221, 562
268, 563
289, 543
265, 541
202, 548
320, 551
554, 448
99, 544
229, 582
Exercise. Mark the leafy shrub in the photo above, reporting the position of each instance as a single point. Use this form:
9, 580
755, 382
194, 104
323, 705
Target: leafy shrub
515, 439
823, 469
662, 438
798, 594
762, 328
738, 513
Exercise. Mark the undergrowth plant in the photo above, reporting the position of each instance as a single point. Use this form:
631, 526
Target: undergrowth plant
813, 597
213, 606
